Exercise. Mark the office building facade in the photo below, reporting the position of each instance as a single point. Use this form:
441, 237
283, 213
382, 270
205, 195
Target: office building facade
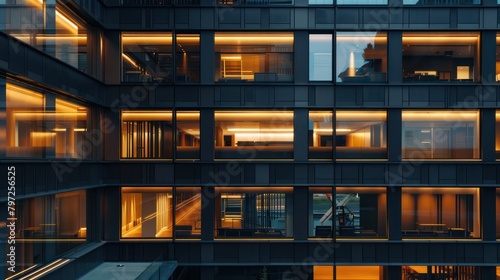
252, 139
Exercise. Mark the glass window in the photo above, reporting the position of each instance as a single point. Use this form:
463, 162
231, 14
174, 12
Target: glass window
497, 76
440, 57
498, 211
188, 212
254, 134
348, 272
253, 57
320, 134
362, 2
440, 134
26, 132
440, 213
188, 135
320, 212
441, 3
147, 134
147, 57
187, 58
71, 131
53, 216
320, 2
360, 212
52, 31
362, 57
320, 57
361, 134
254, 212
497, 135
146, 212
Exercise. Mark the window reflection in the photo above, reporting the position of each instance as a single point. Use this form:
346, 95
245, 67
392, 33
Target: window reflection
147, 212
53, 216
440, 57
440, 212
440, 134
320, 57
361, 134
253, 57
254, 212
147, 57
254, 134
188, 135
351, 212
361, 57
52, 31
147, 134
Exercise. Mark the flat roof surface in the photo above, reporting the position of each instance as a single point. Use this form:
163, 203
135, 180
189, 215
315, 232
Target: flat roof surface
112, 270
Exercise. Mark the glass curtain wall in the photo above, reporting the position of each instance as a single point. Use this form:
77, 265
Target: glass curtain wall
253, 57
48, 27
440, 134
440, 213
253, 212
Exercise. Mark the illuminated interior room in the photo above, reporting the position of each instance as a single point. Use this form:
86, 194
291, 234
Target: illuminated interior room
440, 134
440, 213
441, 57
250, 139
253, 57
254, 134
254, 212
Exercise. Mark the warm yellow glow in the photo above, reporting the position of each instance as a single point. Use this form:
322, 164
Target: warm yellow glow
147, 116
80, 39
149, 39
187, 39
435, 190
254, 189
237, 129
253, 38
230, 57
352, 67
36, 3
59, 129
361, 115
270, 116
439, 39
146, 189
188, 116
17, 89
66, 23
440, 116
49, 115
255, 136
65, 106
80, 129
130, 60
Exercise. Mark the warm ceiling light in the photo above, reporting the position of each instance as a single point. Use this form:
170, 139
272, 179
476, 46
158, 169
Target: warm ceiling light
147, 39
230, 57
268, 116
130, 60
11, 87
360, 116
450, 116
260, 129
147, 116
253, 39
66, 23
439, 40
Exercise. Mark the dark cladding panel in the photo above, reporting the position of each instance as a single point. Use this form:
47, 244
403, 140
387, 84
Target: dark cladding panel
130, 18
229, 17
187, 96
161, 18
418, 18
468, 18
252, 17
248, 253
347, 18
376, 18
280, 18
323, 18
440, 18
195, 18
301, 17
374, 96
321, 96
